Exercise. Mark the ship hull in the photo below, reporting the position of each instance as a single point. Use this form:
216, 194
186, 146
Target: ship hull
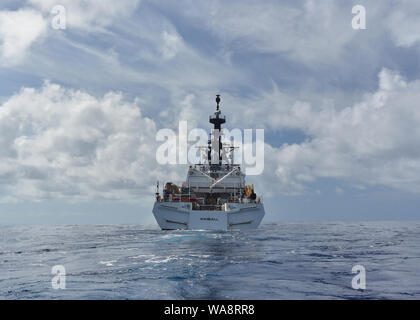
179, 215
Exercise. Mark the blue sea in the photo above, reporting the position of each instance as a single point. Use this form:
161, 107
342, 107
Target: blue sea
302, 260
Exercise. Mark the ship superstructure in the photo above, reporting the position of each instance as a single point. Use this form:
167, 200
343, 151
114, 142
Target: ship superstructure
214, 195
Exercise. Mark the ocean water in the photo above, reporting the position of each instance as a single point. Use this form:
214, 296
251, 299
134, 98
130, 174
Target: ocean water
278, 261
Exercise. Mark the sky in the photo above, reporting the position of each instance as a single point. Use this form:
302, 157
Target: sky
80, 107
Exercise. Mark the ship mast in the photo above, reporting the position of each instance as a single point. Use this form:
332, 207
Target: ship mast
217, 120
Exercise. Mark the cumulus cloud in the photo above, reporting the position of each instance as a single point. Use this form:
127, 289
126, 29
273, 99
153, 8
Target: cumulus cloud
374, 142
19, 30
66, 144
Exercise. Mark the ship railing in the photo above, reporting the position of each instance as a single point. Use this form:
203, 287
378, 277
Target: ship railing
220, 117
183, 197
186, 197
207, 168
210, 207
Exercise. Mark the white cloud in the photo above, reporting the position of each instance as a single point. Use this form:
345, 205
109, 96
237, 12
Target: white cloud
172, 43
374, 142
18, 31
57, 143
404, 23
306, 31
90, 15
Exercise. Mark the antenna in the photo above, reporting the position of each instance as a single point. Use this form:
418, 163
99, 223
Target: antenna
157, 191
217, 101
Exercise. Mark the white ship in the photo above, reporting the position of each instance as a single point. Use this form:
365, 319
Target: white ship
214, 195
